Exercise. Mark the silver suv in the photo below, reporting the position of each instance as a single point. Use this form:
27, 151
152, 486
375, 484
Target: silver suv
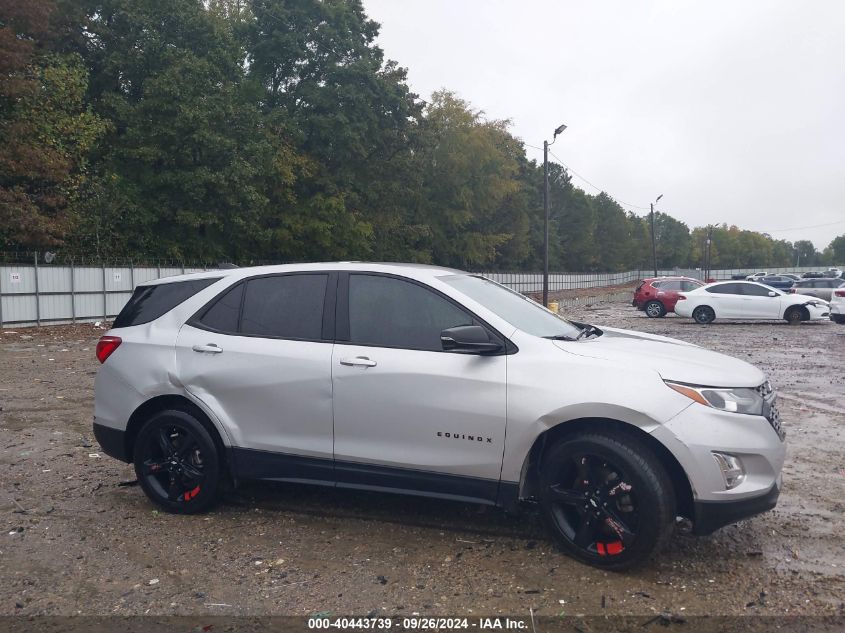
430, 381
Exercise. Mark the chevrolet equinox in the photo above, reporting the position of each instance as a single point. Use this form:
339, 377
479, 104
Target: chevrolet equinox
430, 381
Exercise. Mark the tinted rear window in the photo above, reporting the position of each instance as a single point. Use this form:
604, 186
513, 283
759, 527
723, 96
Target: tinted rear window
286, 306
150, 302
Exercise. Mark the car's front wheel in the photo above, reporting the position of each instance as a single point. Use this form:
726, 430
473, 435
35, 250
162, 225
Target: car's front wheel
177, 463
794, 316
607, 499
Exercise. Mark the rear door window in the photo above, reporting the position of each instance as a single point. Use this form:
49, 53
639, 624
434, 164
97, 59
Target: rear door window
150, 302
726, 289
285, 306
223, 315
671, 285
754, 290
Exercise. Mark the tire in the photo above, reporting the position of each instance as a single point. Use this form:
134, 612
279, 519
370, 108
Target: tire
839, 318
703, 315
177, 463
793, 316
621, 522
654, 309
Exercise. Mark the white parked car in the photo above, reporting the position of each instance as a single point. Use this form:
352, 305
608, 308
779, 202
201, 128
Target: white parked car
749, 300
837, 305
756, 276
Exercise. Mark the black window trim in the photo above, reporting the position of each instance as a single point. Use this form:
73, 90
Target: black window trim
327, 334
342, 316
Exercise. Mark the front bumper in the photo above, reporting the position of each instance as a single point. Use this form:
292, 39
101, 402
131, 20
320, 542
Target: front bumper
819, 312
694, 434
709, 516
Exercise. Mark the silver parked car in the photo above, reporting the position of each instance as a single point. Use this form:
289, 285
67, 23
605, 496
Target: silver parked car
821, 288
431, 381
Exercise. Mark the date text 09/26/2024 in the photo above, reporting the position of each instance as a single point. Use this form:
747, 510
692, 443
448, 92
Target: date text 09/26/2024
418, 623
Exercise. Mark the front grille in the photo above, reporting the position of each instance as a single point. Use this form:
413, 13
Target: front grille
770, 410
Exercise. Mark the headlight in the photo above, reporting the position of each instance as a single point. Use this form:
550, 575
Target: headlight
736, 400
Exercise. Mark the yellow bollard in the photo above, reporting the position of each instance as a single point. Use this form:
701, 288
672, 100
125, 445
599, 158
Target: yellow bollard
554, 306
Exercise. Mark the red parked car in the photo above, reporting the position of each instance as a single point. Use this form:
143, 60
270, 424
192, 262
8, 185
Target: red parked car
658, 295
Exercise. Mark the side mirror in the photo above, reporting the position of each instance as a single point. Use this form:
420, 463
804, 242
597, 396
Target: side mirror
772, 293
469, 339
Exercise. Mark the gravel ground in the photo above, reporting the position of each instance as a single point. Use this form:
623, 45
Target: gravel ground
77, 541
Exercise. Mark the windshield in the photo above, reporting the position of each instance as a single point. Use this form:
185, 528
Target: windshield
518, 310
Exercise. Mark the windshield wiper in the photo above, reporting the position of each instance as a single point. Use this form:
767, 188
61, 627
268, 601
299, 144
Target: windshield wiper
587, 331
560, 337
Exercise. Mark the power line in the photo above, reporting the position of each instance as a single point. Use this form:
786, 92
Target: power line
597, 188
812, 226
634, 206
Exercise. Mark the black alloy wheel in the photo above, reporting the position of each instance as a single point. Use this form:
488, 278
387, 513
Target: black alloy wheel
177, 463
608, 502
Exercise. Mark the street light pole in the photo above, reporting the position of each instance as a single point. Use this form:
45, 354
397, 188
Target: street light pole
546, 144
546, 223
653, 246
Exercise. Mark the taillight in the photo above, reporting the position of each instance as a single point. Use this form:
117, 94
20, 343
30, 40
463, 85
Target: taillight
681, 298
793, 291
839, 293
106, 345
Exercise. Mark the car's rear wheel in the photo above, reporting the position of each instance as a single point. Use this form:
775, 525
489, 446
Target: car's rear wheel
177, 463
703, 315
793, 316
608, 501
654, 309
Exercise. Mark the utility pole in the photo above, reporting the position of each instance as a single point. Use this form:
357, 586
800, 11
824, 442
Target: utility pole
546, 144
653, 245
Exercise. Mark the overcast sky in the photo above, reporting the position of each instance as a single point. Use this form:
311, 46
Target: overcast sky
734, 111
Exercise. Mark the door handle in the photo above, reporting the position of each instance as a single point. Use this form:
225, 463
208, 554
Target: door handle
358, 361
211, 348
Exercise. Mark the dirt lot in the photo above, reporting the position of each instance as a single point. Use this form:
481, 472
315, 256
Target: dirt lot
76, 541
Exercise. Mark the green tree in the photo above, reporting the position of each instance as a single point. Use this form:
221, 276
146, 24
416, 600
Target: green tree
46, 130
349, 112
190, 162
806, 254
837, 251
672, 241
470, 176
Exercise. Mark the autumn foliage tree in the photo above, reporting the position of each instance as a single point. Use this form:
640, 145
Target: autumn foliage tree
46, 129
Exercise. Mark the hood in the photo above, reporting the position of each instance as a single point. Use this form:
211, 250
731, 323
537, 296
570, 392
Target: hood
672, 359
